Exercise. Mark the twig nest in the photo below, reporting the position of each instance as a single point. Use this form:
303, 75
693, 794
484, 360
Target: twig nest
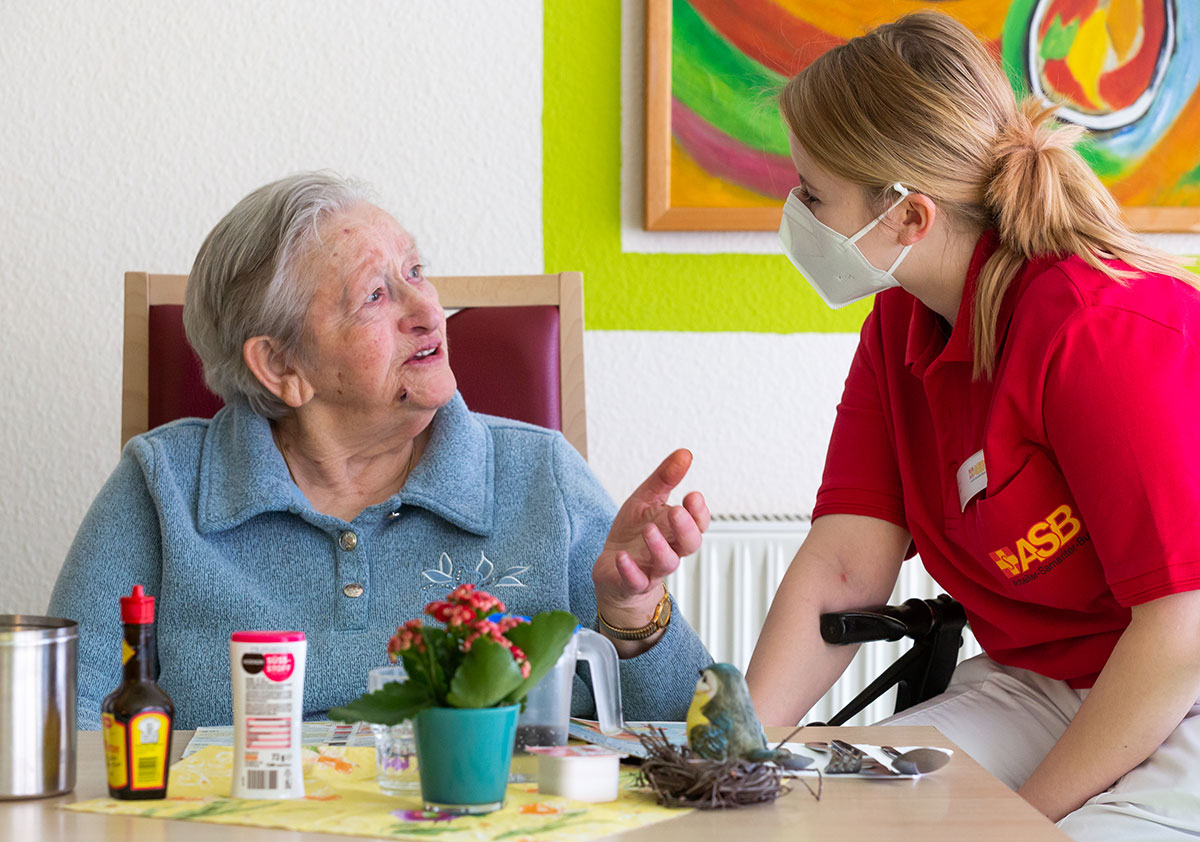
681, 778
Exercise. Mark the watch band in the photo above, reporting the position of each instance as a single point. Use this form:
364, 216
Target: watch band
660, 620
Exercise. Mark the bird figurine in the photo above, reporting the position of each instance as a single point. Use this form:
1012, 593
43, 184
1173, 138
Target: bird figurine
722, 724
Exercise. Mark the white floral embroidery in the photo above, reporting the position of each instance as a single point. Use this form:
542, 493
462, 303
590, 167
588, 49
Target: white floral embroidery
485, 575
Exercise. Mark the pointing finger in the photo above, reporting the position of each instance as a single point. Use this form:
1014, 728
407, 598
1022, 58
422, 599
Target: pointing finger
666, 476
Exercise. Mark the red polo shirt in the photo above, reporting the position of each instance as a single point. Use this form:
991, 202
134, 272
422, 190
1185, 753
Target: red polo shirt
1090, 432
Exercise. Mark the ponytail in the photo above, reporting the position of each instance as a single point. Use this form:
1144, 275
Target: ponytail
1045, 200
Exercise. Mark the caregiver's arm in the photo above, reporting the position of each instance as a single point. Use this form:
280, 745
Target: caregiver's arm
846, 562
1148, 685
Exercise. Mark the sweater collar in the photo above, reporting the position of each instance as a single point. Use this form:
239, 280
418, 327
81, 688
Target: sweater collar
242, 473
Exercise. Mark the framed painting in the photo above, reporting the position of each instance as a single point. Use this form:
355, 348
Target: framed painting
716, 149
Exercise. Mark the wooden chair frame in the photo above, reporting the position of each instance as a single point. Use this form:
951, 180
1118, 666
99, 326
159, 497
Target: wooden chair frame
564, 291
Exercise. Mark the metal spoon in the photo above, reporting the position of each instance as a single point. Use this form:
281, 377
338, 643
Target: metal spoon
850, 758
916, 761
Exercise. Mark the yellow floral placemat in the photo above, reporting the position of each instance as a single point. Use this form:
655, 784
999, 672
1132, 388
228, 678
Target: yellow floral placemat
342, 797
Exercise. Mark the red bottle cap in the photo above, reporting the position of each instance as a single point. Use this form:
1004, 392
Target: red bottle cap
137, 607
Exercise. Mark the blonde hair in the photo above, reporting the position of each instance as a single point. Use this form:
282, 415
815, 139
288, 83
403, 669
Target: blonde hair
922, 102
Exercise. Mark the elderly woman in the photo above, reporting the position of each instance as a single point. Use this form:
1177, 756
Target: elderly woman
346, 484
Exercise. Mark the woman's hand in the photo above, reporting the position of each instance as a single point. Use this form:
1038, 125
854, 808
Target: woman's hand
644, 545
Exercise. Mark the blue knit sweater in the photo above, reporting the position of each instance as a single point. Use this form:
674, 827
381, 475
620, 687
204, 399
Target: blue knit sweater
205, 516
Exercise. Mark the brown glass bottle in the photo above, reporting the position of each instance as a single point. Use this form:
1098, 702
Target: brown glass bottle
138, 716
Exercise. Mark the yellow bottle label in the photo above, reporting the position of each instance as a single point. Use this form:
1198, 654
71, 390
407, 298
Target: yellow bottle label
114, 751
127, 652
148, 734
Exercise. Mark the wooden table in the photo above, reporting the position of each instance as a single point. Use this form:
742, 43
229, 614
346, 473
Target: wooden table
959, 802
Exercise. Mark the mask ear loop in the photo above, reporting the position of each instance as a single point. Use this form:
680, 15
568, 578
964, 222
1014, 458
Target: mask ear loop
903, 191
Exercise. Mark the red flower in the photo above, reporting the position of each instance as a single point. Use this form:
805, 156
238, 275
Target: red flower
438, 610
460, 594
460, 615
406, 637
464, 612
480, 601
484, 602
507, 623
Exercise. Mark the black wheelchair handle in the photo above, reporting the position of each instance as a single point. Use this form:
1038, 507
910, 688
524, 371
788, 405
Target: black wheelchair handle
914, 618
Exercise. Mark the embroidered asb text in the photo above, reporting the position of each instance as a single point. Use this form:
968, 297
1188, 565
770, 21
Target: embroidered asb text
1040, 542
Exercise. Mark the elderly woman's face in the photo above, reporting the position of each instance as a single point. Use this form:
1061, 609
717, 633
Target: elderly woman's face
375, 331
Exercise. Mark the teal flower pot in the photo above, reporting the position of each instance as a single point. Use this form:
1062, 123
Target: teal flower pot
463, 755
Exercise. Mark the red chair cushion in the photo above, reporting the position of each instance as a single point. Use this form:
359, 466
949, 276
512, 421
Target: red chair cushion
505, 360
176, 381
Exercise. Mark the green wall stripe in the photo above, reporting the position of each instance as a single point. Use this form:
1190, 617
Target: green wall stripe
581, 194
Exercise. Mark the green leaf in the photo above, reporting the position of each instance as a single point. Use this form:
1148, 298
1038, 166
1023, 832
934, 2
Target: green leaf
542, 639
390, 705
1059, 39
486, 675
429, 667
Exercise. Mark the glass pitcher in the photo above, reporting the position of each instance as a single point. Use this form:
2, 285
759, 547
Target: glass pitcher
547, 713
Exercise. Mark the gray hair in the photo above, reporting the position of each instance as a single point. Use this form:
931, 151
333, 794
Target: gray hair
246, 280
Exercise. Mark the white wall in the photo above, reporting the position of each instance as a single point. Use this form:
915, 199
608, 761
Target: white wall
755, 409
130, 128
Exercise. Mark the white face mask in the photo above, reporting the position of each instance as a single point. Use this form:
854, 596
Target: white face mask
831, 262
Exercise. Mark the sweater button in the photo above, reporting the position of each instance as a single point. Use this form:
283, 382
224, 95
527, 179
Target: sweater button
353, 590
348, 541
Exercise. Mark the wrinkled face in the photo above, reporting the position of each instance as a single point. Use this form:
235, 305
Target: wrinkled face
842, 206
375, 333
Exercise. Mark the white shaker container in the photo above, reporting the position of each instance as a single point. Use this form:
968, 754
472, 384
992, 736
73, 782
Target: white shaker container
267, 669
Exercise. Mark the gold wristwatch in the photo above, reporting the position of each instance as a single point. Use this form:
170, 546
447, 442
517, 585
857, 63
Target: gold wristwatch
662, 616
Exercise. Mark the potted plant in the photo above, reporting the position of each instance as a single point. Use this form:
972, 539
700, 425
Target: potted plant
466, 682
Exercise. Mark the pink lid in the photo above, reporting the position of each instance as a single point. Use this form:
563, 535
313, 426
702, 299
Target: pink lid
267, 636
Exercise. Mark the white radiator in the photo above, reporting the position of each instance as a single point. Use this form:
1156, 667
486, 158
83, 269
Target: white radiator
725, 590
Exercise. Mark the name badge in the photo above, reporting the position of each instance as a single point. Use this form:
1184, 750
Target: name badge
972, 478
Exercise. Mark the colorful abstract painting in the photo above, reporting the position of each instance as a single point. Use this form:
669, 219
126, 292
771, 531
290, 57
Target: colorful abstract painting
717, 153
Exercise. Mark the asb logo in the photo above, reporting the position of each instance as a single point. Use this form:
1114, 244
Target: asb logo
1044, 539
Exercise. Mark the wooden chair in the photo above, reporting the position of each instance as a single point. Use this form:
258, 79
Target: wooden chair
516, 347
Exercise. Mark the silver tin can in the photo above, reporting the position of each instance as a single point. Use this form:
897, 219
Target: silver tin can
38, 657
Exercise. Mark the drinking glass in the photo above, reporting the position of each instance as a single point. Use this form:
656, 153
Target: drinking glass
394, 747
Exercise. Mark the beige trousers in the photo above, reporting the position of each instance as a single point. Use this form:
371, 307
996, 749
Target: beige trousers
1007, 719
